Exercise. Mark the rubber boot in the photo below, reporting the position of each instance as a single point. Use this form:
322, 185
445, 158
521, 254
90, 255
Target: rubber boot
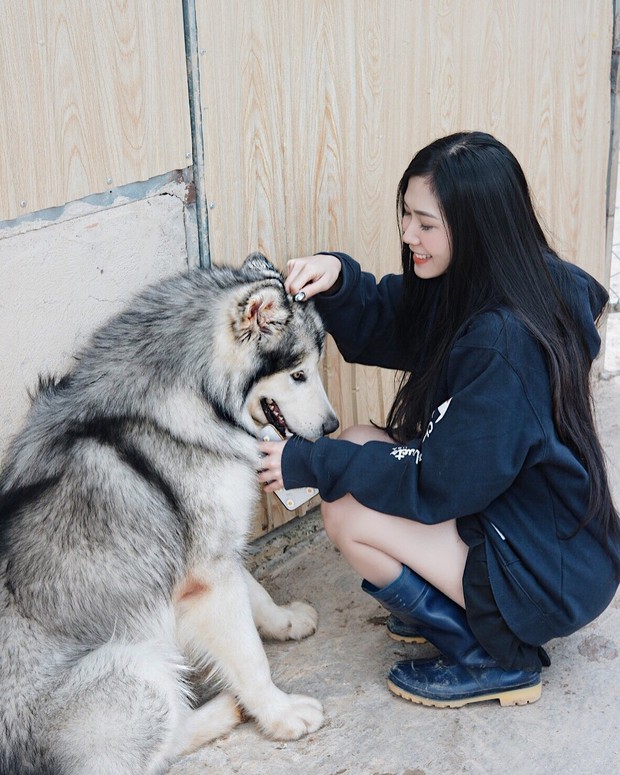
403, 632
464, 672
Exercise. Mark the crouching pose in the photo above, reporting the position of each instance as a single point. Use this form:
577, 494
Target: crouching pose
480, 516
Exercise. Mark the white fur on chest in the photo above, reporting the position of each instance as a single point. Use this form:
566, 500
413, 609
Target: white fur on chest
223, 502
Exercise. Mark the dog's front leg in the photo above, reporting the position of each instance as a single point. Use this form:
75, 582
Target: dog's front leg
215, 623
294, 621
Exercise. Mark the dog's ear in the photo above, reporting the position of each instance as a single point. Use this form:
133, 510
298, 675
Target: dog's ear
265, 312
258, 261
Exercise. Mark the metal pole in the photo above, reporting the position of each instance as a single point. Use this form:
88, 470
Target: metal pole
195, 111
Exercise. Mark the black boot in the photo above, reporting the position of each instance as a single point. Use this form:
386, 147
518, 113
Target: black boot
465, 672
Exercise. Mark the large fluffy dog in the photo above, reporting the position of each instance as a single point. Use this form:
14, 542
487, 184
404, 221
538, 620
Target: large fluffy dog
125, 504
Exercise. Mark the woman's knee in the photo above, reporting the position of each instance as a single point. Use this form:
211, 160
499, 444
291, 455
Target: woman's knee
337, 520
360, 434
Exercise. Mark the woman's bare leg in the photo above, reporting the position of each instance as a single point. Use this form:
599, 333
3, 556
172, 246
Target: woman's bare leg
376, 545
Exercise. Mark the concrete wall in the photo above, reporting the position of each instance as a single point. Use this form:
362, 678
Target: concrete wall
62, 277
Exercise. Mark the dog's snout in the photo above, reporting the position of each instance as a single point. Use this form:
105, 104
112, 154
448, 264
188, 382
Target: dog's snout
330, 425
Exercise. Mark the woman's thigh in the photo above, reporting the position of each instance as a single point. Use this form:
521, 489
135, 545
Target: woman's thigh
436, 551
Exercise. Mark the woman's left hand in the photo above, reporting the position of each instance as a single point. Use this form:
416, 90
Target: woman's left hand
270, 472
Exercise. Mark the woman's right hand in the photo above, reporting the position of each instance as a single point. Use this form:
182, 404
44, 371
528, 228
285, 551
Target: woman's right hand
312, 274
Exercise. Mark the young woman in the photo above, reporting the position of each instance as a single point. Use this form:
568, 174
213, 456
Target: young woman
480, 516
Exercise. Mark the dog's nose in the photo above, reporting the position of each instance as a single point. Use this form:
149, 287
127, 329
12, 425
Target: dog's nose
330, 425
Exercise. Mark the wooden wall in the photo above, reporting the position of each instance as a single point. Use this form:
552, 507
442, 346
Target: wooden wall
93, 96
312, 109
309, 110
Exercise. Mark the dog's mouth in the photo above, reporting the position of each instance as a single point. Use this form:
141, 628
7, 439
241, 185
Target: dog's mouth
273, 415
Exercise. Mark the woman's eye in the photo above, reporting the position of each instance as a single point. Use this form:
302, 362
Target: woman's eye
298, 376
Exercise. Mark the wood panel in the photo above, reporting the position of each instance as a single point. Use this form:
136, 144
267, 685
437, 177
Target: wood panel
93, 95
312, 109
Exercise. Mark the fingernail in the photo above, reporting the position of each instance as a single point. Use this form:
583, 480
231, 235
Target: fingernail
299, 296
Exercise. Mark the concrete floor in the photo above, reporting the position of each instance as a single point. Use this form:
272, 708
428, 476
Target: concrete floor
573, 729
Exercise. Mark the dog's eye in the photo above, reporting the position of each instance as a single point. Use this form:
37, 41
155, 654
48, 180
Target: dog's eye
299, 376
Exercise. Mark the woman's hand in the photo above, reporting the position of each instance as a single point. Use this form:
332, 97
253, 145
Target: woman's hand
312, 274
270, 473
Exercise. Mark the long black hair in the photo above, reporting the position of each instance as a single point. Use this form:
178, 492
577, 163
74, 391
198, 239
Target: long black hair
499, 256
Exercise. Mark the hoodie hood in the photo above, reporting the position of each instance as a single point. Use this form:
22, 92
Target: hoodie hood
584, 296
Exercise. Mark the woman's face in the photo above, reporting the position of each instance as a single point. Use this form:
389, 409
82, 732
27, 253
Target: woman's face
424, 231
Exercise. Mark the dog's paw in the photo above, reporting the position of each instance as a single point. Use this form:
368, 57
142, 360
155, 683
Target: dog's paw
294, 621
215, 718
297, 716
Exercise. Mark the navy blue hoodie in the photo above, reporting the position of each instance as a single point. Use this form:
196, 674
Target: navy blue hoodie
490, 456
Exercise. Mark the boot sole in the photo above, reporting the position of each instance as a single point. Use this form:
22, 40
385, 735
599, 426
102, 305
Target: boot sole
524, 696
406, 638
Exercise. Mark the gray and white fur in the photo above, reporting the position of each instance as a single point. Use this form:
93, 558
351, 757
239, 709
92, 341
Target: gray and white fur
125, 503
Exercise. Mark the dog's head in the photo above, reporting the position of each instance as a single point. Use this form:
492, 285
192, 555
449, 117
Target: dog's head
283, 341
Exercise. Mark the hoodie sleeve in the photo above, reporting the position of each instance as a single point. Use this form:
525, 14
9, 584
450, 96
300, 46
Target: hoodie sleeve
362, 316
475, 445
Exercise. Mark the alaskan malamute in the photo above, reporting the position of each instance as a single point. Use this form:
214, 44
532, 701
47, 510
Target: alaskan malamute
125, 502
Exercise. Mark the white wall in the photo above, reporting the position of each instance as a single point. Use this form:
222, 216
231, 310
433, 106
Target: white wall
59, 282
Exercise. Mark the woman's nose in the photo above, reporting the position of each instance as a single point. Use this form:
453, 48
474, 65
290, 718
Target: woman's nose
410, 237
